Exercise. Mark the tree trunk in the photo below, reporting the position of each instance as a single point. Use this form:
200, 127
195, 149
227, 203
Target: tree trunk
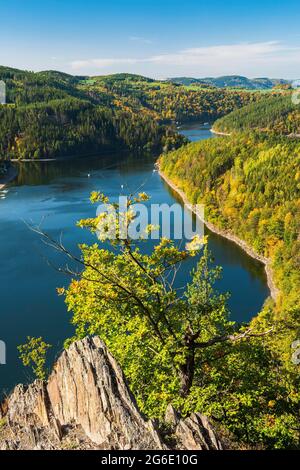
186, 374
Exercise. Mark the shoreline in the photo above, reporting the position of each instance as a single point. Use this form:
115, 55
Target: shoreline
219, 132
63, 158
28, 160
10, 176
274, 291
228, 134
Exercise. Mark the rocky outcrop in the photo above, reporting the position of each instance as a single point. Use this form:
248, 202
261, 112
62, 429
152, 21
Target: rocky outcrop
192, 433
87, 404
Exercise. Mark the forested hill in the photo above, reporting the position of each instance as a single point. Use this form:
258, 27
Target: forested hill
250, 185
50, 114
233, 81
275, 114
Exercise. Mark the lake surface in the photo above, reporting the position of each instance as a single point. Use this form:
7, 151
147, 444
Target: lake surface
56, 195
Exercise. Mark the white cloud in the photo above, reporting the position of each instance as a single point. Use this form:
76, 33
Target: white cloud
222, 59
236, 52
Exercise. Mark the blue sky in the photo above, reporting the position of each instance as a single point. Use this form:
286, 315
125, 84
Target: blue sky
157, 38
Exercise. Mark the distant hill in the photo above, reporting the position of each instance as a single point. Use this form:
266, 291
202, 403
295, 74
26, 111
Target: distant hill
130, 77
50, 114
232, 81
276, 114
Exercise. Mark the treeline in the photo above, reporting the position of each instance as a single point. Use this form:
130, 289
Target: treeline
205, 105
275, 114
73, 127
50, 114
169, 100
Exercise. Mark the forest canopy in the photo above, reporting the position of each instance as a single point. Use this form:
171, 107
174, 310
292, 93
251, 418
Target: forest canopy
276, 114
250, 185
53, 114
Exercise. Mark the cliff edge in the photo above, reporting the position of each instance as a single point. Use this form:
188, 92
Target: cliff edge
87, 404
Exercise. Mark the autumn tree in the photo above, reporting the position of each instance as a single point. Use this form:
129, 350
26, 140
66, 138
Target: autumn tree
162, 334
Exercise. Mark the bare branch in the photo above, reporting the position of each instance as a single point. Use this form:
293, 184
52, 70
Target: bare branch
232, 338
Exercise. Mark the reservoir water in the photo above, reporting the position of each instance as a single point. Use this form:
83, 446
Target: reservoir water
56, 195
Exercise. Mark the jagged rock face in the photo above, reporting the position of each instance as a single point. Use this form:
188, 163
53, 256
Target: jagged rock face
87, 404
88, 386
196, 433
